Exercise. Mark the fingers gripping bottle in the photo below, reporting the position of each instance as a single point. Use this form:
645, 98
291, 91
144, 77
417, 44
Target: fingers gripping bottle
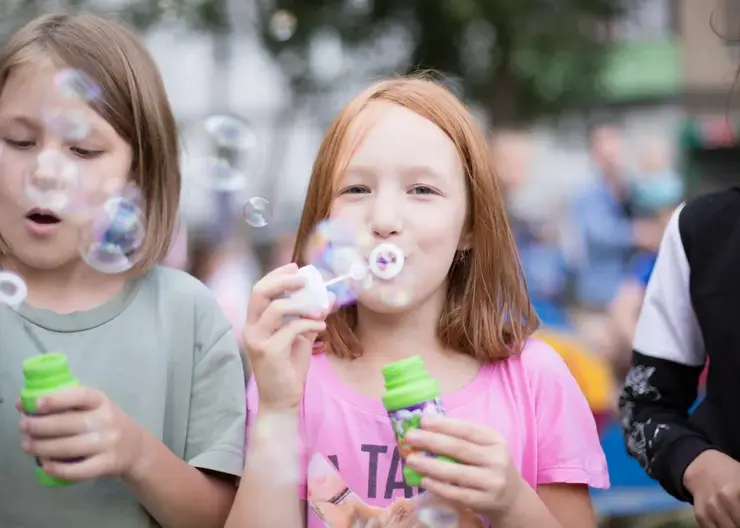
45, 375
409, 395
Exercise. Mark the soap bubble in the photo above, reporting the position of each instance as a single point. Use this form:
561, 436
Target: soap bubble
75, 84
54, 181
216, 174
67, 123
386, 261
257, 212
13, 290
229, 132
282, 25
113, 241
334, 249
232, 143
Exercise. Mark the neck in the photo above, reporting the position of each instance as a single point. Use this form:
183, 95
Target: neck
389, 337
615, 182
69, 288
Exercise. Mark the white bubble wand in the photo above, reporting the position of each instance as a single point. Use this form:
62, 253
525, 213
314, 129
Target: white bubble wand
386, 262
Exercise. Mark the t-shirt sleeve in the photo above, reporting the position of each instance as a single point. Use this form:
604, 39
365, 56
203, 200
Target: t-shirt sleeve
215, 437
252, 407
568, 446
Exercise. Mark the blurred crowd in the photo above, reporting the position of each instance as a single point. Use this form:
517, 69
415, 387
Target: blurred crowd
587, 268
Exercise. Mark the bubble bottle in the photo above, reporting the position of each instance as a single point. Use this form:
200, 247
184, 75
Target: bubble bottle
44, 375
410, 394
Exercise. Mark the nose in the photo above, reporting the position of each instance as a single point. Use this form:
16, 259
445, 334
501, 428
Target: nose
386, 219
53, 171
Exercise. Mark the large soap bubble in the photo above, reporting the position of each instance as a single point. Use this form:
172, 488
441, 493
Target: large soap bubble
113, 241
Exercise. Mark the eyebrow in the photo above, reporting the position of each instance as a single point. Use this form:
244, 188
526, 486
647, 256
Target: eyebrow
30, 122
22, 119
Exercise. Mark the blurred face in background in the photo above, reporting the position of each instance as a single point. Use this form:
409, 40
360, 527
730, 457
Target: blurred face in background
656, 157
607, 150
512, 153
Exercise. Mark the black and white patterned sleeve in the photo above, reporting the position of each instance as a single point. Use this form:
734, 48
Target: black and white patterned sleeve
668, 359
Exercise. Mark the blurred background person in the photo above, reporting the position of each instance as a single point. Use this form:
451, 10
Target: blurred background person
223, 261
609, 234
656, 193
537, 241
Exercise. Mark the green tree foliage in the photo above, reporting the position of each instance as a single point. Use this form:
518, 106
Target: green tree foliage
516, 59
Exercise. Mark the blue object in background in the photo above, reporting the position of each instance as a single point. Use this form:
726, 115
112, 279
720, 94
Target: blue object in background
642, 266
632, 492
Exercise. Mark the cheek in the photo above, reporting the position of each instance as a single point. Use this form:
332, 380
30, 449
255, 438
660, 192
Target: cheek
13, 169
344, 210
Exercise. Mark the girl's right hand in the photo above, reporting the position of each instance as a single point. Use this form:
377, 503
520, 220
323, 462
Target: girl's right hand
278, 336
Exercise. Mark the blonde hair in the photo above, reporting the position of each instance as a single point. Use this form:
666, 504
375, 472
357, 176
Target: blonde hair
487, 313
134, 103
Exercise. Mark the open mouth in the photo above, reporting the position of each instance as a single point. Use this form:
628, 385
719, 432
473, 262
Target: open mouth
43, 217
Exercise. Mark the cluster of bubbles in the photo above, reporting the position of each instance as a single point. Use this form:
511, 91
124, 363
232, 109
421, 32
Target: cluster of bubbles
351, 262
336, 250
233, 143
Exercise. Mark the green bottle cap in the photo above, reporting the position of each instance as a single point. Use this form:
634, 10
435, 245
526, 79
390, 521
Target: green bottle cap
404, 371
407, 382
48, 371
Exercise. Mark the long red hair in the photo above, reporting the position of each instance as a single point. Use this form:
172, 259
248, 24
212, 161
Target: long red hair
487, 314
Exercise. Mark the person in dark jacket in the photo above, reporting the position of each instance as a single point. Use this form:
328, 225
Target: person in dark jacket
691, 313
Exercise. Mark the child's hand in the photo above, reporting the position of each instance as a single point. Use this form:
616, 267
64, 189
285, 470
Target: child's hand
79, 434
713, 478
484, 479
279, 336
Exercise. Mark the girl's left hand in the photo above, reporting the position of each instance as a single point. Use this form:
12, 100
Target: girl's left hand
484, 478
79, 434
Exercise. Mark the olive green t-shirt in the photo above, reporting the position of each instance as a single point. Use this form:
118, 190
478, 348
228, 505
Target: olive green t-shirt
163, 352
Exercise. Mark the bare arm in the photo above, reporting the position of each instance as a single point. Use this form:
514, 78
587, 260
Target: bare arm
268, 493
177, 494
625, 310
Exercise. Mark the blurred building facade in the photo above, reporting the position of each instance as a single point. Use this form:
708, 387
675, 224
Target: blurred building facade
710, 40
672, 73
642, 87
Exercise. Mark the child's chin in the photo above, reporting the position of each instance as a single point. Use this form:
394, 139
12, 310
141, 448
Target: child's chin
384, 305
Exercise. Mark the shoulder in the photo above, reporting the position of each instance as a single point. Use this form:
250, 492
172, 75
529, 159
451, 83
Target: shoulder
172, 283
706, 220
549, 374
175, 288
540, 359
185, 302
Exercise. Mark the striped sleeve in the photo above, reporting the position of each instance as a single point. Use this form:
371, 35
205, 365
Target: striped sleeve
668, 358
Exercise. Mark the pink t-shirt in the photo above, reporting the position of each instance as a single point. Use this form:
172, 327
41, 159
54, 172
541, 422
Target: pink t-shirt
530, 399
